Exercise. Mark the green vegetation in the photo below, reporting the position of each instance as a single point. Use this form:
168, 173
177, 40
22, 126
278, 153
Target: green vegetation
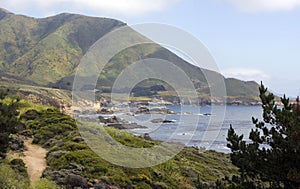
11, 178
45, 184
45, 52
271, 159
19, 167
37, 98
71, 161
8, 121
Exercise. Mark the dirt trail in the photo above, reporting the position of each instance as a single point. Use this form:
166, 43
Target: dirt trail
35, 160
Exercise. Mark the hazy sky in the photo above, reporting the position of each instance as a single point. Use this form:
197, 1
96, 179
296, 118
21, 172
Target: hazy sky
250, 39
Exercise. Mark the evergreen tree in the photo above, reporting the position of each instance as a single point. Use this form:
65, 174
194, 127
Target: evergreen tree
273, 153
8, 120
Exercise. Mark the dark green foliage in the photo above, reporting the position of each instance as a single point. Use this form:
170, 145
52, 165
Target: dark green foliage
272, 157
73, 146
11, 178
93, 165
16, 143
19, 167
8, 120
48, 124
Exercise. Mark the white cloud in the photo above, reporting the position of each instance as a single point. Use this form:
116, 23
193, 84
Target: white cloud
264, 5
128, 8
246, 74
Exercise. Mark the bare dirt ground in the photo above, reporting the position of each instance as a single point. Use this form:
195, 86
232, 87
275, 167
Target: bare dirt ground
34, 158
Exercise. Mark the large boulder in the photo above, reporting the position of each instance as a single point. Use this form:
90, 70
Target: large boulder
73, 181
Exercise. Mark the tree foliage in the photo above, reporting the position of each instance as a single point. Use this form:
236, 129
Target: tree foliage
8, 120
272, 157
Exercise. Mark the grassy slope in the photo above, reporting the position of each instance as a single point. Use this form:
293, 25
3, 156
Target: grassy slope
58, 133
39, 95
46, 52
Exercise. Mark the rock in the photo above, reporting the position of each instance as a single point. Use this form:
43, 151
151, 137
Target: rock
143, 110
76, 111
21, 127
126, 126
101, 186
104, 183
113, 119
158, 174
161, 111
78, 139
146, 136
159, 185
105, 111
160, 120
57, 176
68, 176
168, 121
115, 125
76, 181
102, 119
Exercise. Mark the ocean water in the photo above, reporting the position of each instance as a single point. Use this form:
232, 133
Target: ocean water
205, 127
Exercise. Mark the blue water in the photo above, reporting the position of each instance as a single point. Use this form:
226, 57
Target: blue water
193, 128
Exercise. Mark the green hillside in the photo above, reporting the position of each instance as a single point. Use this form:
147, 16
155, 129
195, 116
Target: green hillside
72, 164
45, 52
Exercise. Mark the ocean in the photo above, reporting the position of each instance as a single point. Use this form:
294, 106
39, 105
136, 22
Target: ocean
200, 126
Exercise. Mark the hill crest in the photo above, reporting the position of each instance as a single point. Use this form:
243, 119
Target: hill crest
46, 51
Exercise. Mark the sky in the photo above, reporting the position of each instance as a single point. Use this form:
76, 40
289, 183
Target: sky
249, 39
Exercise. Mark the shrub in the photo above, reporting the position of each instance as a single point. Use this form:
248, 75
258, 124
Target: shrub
48, 124
8, 120
19, 166
11, 179
45, 184
73, 146
16, 143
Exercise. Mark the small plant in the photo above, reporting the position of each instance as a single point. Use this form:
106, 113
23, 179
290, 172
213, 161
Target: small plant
45, 184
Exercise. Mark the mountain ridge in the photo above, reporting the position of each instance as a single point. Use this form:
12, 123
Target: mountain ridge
46, 52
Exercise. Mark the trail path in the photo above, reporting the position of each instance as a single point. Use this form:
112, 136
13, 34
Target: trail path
35, 160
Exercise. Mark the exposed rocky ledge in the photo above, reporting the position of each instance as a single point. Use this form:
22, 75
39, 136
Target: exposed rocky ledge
119, 123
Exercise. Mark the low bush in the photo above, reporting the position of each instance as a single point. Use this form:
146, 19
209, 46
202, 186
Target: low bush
45, 184
9, 178
19, 167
